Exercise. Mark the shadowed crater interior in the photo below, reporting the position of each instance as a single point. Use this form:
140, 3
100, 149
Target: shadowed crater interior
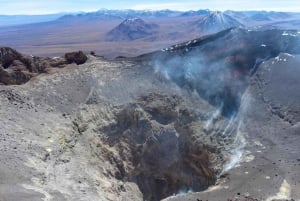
159, 149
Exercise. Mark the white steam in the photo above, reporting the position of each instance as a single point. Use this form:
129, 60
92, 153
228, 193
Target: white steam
184, 191
237, 153
214, 116
212, 80
229, 126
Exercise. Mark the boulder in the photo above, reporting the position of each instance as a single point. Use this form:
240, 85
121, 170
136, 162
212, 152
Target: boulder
76, 57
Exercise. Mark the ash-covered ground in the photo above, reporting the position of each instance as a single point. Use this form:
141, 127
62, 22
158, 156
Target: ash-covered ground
216, 118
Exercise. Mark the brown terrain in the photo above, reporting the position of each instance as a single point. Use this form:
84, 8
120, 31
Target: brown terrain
56, 38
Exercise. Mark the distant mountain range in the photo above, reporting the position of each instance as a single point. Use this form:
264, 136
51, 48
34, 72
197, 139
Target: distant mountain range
268, 16
140, 31
12, 20
123, 14
203, 22
195, 13
215, 22
131, 29
127, 14
104, 14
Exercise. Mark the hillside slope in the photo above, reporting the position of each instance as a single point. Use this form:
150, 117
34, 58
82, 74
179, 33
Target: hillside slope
132, 29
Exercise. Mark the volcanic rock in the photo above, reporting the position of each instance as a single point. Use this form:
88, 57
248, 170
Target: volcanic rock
218, 114
76, 57
16, 68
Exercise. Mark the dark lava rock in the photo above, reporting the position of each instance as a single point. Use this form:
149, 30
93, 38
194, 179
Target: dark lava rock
8, 55
76, 57
9, 77
16, 68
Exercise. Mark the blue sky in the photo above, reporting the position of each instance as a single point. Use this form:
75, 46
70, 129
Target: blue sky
55, 6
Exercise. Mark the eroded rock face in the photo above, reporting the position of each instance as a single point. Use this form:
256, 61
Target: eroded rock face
13, 77
164, 158
16, 68
157, 146
8, 55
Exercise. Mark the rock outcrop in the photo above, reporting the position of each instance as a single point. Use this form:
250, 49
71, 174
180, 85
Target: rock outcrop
16, 68
76, 57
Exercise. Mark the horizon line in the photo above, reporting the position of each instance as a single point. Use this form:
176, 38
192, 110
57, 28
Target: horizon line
146, 10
